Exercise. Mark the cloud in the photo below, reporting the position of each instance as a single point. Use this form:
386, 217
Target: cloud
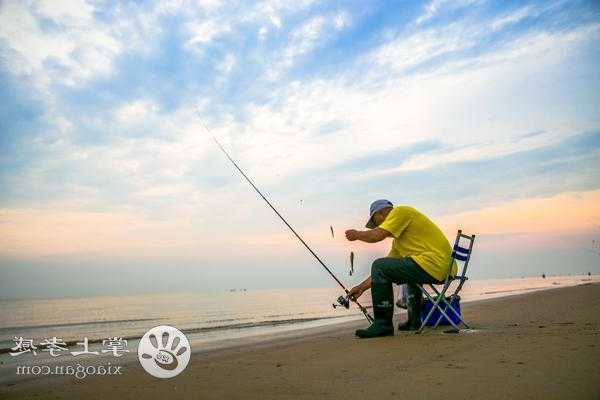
75, 11
228, 63
341, 20
352, 114
302, 41
206, 31
275, 10
563, 213
262, 32
74, 51
316, 32
135, 111
404, 53
368, 112
482, 115
455, 101
532, 134
568, 165
513, 17
434, 7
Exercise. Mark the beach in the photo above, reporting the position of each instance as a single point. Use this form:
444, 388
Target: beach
539, 345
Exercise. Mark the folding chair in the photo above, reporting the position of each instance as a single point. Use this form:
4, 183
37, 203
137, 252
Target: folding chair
441, 303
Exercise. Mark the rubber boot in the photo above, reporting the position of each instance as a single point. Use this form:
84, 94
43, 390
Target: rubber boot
415, 305
383, 310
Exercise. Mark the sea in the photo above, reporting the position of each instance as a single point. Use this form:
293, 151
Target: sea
210, 317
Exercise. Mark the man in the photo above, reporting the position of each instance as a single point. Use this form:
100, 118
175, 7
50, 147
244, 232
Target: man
420, 253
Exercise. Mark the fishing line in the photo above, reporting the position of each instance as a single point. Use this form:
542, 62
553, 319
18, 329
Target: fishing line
362, 308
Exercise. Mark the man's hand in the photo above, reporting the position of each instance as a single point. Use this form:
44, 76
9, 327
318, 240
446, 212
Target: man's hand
352, 234
355, 292
369, 236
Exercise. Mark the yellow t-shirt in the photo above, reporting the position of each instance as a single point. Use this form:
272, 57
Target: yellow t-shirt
415, 236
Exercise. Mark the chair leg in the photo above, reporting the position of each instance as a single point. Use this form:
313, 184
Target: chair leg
436, 304
441, 296
430, 311
438, 296
457, 314
449, 306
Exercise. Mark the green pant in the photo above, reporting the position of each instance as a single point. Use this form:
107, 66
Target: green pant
388, 270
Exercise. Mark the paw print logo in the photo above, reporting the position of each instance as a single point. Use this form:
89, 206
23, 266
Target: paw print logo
164, 351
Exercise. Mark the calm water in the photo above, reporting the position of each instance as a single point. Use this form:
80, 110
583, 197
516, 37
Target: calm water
214, 315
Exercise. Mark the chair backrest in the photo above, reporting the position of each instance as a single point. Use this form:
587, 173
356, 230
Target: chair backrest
461, 253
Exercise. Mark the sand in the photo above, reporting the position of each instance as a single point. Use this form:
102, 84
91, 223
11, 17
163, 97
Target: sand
542, 345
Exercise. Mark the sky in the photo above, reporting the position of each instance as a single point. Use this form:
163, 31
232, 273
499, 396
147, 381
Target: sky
483, 115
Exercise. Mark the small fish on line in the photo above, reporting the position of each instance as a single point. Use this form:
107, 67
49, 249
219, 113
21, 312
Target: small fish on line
332, 235
351, 263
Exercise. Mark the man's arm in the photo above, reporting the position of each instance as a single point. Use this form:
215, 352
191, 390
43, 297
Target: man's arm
357, 291
370, 236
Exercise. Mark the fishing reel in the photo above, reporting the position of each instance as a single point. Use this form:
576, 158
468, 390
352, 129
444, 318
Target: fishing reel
342, 301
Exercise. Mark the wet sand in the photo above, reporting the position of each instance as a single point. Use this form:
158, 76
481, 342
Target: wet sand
541, 345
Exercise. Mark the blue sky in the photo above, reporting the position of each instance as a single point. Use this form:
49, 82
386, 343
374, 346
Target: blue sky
453, 107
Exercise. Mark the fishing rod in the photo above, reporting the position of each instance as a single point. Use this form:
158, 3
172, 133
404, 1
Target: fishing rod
343, 301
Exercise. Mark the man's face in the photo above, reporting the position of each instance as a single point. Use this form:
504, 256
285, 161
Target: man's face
378, 217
